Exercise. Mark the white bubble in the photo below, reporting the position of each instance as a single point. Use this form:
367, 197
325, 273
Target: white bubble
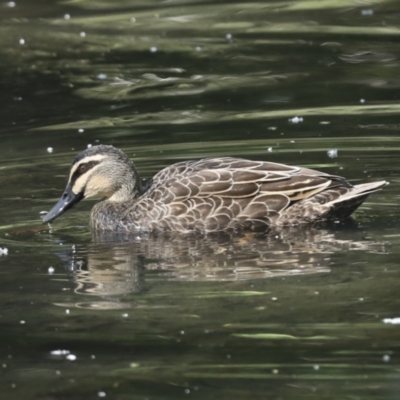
11, 4
67, 311
393, 321
102, 76
362, 101
296, 120
126, 315
59, 352
270, 149
333, 153
51, 270
89, 146
3, 251
316, 367
228, 36
197, 48
21, 41
324, 123
81, 130
133, 20
101, 394
367, 12
153, 49
67, 16
71, 357
386, 358
82, 34
22, 322
49, 149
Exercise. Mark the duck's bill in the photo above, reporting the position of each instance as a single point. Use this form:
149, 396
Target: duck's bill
67, 201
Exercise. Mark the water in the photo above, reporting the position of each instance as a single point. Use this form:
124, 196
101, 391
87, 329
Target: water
291, 314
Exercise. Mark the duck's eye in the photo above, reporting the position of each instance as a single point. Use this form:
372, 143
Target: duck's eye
83, 168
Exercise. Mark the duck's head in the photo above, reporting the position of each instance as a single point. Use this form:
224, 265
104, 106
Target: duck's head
98, 172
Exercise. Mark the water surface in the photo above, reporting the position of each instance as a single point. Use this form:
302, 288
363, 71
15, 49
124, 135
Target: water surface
297, 313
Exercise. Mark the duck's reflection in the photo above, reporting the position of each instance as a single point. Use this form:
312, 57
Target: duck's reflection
115, 265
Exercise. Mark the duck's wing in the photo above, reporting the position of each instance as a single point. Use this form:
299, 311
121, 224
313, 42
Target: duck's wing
214, 193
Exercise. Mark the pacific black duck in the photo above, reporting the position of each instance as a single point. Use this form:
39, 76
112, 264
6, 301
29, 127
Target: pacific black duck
212, 194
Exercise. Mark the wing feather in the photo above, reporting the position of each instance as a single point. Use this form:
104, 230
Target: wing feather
215, 193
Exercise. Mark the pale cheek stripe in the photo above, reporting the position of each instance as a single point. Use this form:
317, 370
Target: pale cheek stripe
82, 181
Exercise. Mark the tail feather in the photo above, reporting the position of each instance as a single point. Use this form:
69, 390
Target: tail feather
362, 190
345, 205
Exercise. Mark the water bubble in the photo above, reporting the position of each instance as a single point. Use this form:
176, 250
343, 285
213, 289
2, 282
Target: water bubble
71, 357
296, 120
67, 16
153, 49
362, 101
316, 367
386, 358
133, 20
333, 153
101, 394
89, 146
228, 36
81, 130
11, 4
49, 149
393, 321
367, 12
3, 251
102, 76
21, 41
51, 270
82, 34
197, 48
59, 352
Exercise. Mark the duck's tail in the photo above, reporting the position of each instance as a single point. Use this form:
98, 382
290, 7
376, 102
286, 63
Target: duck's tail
346, 204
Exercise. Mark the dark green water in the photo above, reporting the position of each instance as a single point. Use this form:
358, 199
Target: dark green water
294, 315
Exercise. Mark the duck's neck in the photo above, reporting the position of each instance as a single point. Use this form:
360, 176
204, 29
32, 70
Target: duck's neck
130, 189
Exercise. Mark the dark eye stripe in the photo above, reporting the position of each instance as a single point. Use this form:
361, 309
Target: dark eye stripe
89, 165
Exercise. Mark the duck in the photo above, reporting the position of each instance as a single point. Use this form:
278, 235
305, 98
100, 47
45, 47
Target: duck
207, 195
